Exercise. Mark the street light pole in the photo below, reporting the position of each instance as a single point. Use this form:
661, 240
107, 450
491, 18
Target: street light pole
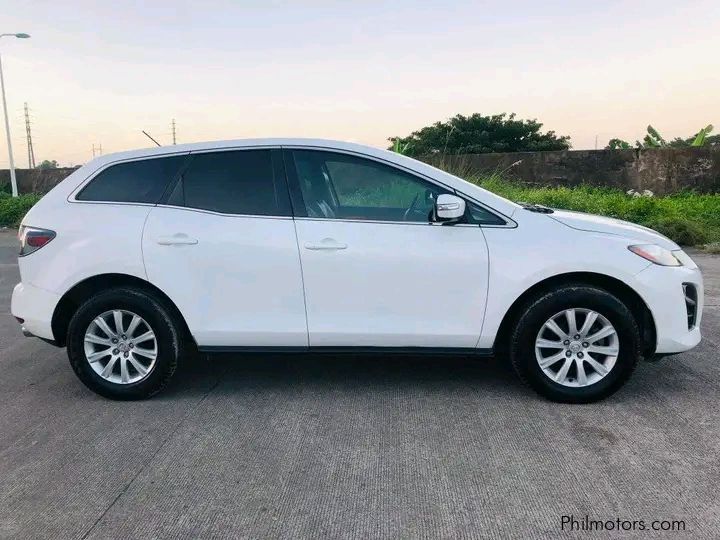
13, 180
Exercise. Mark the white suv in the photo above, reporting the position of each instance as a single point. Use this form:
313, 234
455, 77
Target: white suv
297, 245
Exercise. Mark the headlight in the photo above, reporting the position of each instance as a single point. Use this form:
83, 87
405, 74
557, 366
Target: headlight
656, 254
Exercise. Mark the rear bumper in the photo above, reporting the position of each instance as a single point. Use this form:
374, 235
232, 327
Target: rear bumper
36, 307
662, 289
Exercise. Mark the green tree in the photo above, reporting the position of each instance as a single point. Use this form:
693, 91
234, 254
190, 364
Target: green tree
478, 134
47, 164
653, 139
712, 140
617, 144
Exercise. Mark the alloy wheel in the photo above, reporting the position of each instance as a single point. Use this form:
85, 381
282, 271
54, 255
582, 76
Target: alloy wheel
120, 346
577, 347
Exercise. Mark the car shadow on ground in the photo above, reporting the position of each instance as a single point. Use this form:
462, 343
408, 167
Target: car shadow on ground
233, 372
325, 373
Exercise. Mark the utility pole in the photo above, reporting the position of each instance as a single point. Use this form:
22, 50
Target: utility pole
28, 134
173, 131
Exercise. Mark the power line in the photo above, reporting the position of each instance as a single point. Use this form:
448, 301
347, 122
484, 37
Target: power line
173, 131
31, 151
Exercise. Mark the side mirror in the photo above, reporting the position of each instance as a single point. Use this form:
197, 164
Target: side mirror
449, 208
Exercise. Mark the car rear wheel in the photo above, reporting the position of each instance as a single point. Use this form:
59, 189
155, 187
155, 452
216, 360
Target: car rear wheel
576, 344
124, 344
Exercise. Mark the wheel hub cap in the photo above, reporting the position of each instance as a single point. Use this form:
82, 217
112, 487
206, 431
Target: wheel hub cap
577, 347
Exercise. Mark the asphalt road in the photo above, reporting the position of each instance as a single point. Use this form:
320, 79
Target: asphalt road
352, 447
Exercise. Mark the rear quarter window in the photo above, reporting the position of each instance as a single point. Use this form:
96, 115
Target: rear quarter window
141, 181
230, 182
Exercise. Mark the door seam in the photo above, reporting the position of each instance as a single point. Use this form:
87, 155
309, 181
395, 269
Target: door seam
142, 242
302, 281
487, 289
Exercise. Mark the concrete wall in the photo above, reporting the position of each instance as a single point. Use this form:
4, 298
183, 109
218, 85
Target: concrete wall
661, 170
33, 180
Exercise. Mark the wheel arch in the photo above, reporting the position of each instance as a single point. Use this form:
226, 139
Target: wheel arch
623, 291
71, 300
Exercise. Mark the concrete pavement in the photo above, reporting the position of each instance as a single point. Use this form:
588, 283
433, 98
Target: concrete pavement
352, 447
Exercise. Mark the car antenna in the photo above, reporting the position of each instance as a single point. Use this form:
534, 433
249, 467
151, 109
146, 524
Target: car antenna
149, 137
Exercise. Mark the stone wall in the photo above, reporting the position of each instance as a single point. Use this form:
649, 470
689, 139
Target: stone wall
33, 180
661, 170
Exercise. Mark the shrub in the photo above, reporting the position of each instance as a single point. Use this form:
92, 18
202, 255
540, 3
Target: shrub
682, 231
687, 218
13, 209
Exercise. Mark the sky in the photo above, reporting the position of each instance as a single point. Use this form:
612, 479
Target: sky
98, 73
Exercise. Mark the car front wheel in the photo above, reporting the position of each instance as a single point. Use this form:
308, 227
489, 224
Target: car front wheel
123, 344
575, 344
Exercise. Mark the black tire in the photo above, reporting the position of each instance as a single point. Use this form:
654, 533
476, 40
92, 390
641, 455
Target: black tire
158, 317
541, 308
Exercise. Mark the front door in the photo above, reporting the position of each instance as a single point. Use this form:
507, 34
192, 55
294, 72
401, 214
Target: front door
377, 272
223, 248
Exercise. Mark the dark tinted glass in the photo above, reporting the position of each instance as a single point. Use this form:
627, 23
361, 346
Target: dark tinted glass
342, 186
478, 214
142, 181
238, 182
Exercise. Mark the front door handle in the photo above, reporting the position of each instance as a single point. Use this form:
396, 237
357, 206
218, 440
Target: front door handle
179, 239
325, 244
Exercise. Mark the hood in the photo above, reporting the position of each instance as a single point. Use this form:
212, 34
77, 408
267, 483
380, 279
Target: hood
593, 223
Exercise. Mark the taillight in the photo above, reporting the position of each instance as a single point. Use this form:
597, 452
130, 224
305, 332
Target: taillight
32, 239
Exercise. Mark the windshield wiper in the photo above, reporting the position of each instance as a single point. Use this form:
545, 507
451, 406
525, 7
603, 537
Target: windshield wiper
539, 208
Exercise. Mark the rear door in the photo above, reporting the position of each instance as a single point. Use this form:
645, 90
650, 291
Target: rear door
222, 246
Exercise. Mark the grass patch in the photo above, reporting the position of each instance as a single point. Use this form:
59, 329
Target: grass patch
687, 218
13, 209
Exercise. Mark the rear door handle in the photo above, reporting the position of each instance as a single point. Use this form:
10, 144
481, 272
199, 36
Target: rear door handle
179, 239
325, 244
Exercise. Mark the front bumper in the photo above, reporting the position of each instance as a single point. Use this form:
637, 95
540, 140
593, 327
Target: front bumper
35, 307
662, 289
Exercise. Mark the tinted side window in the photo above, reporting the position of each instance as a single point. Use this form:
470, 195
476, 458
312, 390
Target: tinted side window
142, 181
233, 182
477, 214
341, 186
